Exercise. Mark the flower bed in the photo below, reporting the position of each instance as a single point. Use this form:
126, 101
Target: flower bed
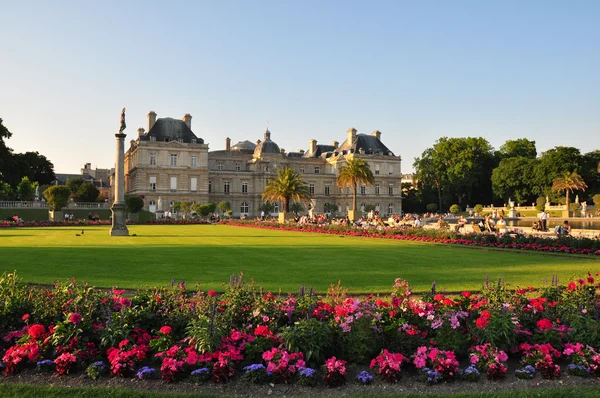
79, 223
175, 334
561, 244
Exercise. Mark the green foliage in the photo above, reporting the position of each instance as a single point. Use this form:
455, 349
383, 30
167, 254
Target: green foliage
288, 186
478, 208
204, 334
26, 189
296, 208
6, 192
87, 192
362, 343
512, 178
57, 197
596, 199
520, 147
134, 203
369, 208
94, 371
73, 184
330, 208
310, 336
455, 209
223, 206
432, 207
32, 165
267, 207
203, 209
356, 171
540, 203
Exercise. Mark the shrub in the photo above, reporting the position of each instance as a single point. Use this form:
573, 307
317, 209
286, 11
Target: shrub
455, 209
478, 209
388, 365
311, 337
335, 372
432, 207
134, 203
57, 197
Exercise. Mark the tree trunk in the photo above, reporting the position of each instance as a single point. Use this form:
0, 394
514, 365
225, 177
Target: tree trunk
354, 197
440, 197
567, 203
286, 205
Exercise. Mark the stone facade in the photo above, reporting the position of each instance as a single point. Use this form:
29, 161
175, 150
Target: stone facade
169, 161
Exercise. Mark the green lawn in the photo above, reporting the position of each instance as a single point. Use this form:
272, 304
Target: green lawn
209, 254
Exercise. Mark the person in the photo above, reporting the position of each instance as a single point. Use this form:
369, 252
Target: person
90, 217
490, 225
262, 215
441, 223
501, 226
564, 229
460, 224
417, 222
544, 220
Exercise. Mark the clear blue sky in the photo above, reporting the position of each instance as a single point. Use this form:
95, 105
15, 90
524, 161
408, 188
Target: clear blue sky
416, 70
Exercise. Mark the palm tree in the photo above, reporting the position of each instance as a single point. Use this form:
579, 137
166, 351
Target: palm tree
286, 187
568, 182
356, 171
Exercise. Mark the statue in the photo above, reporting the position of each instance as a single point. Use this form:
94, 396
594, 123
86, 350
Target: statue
159, 204
37, 192
123, 125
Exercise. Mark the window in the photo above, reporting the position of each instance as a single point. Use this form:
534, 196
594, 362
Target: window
326, 208
238, 167
327, 189
301, 169
363, 189
173, 159
347, 190
391, 170
317, 170
153, 183
210, 186
244, 187
311, 187
347, 207
194, 161
376, 189
152, 159
194, 184
276, 208
173, 184
376, 169
226, 187
194, 140
220, 166
179, 139
266, 169
152, 138
244, 208
391, 208
377, 207
391, 189
362, 207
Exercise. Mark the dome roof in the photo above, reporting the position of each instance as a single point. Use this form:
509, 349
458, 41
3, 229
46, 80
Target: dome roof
243, 145
266, 147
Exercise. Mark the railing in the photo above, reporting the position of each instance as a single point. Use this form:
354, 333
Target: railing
15, 204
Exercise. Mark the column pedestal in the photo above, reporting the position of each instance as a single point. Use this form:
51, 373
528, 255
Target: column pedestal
119, 215
119, 209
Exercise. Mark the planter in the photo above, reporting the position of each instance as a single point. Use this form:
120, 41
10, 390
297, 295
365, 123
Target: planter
284, 217
354, 215
56, 215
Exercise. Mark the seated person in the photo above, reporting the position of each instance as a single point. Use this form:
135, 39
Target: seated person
460, 224
441, 223
417, 222
564, 229
501, 226
490, 225
536, 226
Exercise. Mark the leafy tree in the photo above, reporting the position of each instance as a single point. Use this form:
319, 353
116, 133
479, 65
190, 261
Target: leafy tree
330, 208
554, 163
211, 207
540, 203
512, 179
57, 197
432, 207
5, 152
74, 183
455, 209
356, 171
458, 168
267, 207
224, 206
26, 189
596, 199
521, 147
590, 170
32, 165
478, 208
204, 209
134, 203
6, 191
568, 182
296, 208
87, 192
287, 186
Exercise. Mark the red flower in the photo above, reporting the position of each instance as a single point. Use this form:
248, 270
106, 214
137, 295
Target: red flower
118, 292
36, 331
262, 331
212, 293
572, 286
466, 294
75, 318
25, 317
438, 297
165, 330
544, 324
269, 296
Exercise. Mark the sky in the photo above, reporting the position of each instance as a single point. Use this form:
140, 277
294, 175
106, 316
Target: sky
415, 70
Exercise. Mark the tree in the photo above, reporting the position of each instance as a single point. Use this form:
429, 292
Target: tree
26, 189
554, 163
6, 191
596, 199
512, 179
224, 206
5, 152
590, 170
568, 182
455, 209
296, 208
134, 203
87, 192
57, 197
330, 208
74, 183
521, 147
478, 209
267, 207
356, 171
32, 165
287, 186
432, 207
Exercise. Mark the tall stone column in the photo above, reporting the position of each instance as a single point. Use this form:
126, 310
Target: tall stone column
119, 210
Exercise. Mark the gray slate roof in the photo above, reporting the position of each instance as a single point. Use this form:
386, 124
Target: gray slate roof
369, 143
321, 150
169, 129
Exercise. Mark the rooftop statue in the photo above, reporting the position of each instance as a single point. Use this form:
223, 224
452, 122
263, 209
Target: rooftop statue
123, 125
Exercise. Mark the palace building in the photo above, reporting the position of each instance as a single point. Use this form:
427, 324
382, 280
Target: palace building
168, 161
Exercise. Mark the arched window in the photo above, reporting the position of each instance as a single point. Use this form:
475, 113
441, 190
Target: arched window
276, 208
347, 207
377, 207
325, 207
362, 207
244, 208
391, 208
152, 206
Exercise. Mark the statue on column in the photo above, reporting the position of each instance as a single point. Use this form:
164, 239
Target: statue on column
123, 125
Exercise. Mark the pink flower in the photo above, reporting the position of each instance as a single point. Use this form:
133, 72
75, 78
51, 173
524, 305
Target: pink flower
75, 318
165, 330
474, 359
211, 293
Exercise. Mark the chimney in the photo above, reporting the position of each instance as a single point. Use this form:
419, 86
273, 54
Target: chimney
187, 118
351, 135
140, 132
377, 134
301, 151
228, 144
281, 150
312, 146
151, 119
335, 144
